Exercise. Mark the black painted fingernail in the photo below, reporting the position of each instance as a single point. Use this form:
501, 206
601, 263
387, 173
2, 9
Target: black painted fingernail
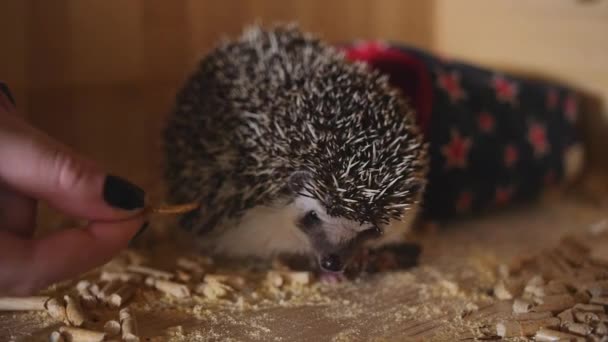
7, 92
139, 232
122, 194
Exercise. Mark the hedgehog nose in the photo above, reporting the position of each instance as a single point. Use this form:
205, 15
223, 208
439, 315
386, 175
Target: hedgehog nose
331, 263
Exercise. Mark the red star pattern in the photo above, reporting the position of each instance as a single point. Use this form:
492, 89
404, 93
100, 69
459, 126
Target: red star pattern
485, 121
464, 201
503, 195
506, 91
552, 99
456, 152
450, 82
570, 108
537, 137
515, 124
511, 155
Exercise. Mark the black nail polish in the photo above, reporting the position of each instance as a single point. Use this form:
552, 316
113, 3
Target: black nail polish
139, 232
122, 194
7, 92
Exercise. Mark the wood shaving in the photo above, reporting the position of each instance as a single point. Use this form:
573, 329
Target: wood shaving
74, 312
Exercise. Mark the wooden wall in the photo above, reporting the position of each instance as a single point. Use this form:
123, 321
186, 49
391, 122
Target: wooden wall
562, 40
101, 74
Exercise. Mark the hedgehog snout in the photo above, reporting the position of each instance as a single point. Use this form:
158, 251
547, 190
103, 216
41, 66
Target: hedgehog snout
331, 263
334, 257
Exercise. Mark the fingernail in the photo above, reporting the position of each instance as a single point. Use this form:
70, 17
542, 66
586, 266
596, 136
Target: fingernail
7, 92
120, 193
139, 232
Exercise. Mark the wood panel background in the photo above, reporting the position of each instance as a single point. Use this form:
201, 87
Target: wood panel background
100, 75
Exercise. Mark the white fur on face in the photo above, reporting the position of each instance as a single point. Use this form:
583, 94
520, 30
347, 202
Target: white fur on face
337, 229
262, 232
267, 231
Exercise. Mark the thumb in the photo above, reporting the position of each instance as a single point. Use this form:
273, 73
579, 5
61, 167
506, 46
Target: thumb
36, 165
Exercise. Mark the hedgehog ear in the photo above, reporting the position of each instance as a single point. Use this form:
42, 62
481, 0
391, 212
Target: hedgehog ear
298, 180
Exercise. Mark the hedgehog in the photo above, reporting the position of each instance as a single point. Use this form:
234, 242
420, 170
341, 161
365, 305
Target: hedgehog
291, 149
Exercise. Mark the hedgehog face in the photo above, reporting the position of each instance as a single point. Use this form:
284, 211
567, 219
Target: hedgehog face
333, 240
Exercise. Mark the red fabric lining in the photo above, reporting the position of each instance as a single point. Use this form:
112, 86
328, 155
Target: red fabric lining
406, 72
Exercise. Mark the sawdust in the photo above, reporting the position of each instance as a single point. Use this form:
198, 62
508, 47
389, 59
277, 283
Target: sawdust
431, 302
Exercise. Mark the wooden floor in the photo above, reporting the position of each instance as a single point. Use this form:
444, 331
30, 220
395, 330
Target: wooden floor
445, 298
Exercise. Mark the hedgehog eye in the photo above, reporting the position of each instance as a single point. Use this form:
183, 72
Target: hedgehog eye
311, 219
372, 233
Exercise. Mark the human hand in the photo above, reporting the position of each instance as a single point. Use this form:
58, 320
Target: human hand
34, 167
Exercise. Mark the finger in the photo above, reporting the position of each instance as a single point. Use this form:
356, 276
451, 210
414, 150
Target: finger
17, 213
41, 168
27, 266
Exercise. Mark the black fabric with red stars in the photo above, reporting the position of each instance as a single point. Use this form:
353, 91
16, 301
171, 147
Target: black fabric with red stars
494, 138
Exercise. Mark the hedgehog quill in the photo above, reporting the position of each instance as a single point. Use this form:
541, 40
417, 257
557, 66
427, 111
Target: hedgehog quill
290, 149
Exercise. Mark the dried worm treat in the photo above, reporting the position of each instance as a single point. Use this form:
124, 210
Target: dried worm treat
112, 328
56, 309
82, 335
172, 288
521, 305
149, 271
524, 328
33, 303
165, 209
74, 312
121, 296
128, 325
56, 336
545, 334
